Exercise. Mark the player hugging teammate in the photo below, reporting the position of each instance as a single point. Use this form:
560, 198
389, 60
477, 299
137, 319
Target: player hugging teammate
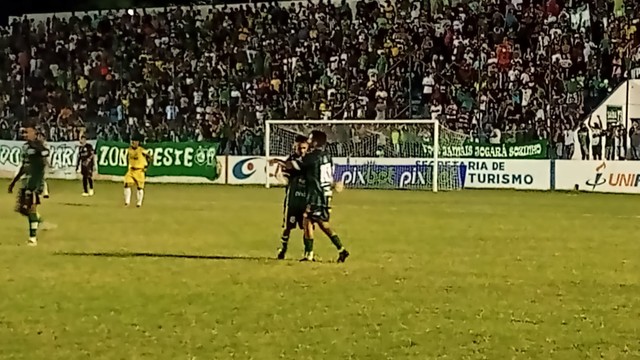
34, 162
86, 163
316, 169
295, 199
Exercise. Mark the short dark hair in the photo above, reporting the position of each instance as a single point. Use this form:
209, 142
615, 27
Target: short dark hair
319, 137
301, 139
29, 124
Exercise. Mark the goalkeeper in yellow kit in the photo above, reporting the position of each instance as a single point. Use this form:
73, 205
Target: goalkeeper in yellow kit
138, 160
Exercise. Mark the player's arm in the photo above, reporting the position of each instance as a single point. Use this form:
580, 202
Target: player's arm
79, 160
92, 153
338, 186
279, 162
19, 175
300, 164
147, 155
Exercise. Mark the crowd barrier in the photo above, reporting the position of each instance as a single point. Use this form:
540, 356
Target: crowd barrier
198, 163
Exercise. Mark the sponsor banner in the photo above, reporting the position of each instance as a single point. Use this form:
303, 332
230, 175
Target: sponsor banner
63, 158
477, 174
418, 175
401, 173
222, 161
172, 159
252, 170
530, 150
598, 176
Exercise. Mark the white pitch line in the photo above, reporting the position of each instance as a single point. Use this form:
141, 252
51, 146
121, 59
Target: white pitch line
614, 216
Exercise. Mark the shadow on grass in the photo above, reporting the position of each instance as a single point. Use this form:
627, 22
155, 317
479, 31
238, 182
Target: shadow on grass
124, 255
75, 204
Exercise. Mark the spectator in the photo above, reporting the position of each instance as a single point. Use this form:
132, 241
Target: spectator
530, 70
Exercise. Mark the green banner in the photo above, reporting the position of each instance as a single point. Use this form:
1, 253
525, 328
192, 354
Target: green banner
195, 159
531, 150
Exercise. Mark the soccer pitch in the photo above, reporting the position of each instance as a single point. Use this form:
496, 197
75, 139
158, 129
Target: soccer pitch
191, 275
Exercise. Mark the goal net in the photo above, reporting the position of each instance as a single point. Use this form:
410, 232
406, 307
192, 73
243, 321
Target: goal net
377, 154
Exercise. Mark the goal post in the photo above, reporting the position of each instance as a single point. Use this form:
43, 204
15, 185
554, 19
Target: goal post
375, 154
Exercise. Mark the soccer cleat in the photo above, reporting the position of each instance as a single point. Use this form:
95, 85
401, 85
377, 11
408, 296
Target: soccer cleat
342, 256
281, 254
85, 194
46, 196
308, 257
126, 204
91, 192
32, 242
138, 205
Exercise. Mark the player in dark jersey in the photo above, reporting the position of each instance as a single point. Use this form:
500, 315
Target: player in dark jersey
86, 158
317, 169
295, 199
34, 162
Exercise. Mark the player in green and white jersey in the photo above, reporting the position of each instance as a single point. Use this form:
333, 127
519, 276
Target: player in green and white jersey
317, 169
34, 163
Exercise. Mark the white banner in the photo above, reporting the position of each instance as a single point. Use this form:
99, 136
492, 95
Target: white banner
63, 158
598, 176
251, 170
480, 174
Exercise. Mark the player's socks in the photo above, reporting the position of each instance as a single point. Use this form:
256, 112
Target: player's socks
33, 228
45, 190
308, 250
283, 248
127, 196
140, 196
335, 239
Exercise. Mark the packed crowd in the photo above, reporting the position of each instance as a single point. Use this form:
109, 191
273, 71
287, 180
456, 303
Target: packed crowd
496, 70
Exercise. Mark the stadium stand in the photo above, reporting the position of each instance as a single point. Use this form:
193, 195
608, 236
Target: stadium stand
499, 71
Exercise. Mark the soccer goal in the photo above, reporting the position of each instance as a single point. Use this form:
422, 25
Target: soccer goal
376, 154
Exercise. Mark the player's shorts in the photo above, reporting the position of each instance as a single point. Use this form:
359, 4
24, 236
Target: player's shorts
320, 213
293, 217
134, 177
86, 170
26, 199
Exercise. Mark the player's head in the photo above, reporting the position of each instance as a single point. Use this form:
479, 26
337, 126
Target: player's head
135, 141
83, 140
29, 132
318, 139
302, 145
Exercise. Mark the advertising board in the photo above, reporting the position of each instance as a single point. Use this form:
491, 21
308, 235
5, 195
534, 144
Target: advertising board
363, 172
598, 176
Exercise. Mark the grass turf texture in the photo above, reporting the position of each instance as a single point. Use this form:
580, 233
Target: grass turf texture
461, 275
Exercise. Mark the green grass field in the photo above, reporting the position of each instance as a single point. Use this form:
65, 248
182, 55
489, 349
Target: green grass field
459, 275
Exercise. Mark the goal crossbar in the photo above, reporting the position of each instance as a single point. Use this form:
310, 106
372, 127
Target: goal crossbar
347, 122
435, 123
